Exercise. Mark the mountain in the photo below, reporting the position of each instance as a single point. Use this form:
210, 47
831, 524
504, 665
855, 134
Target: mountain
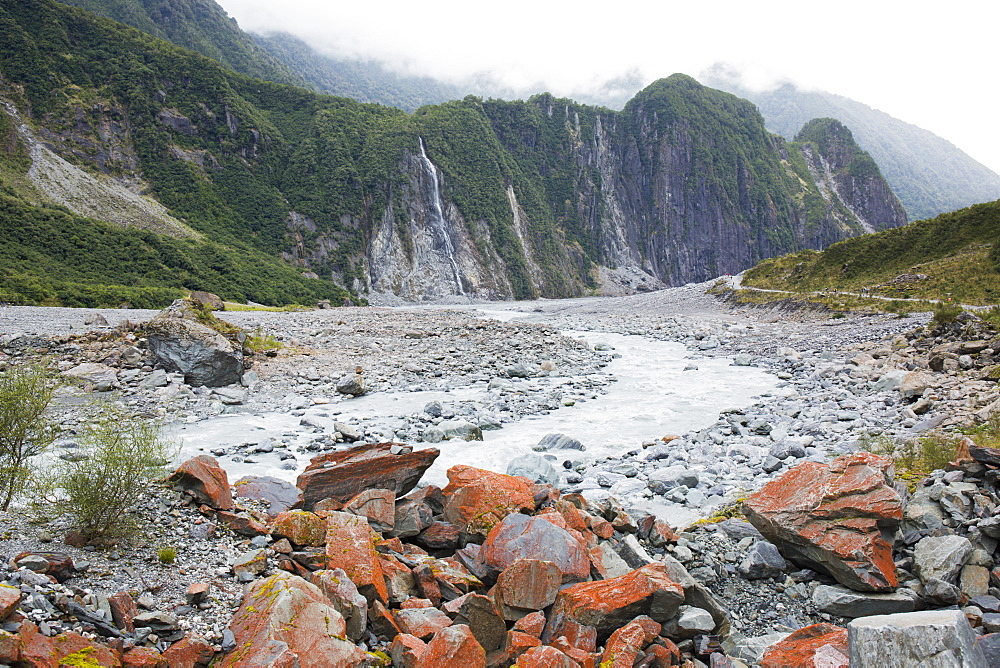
930, 175
956, 254
496, 199
199, 25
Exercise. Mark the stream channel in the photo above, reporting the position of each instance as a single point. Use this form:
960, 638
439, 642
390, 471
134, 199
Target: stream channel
653, 396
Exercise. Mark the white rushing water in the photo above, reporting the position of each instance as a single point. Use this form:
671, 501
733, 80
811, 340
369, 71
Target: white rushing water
439, 221
653, 396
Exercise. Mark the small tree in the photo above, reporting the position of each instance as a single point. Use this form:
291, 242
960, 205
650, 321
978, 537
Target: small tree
25, 394
122, 455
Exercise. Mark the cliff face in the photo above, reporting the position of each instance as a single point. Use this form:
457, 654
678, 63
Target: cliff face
491, 199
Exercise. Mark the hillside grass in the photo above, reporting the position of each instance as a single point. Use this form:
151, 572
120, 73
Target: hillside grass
957, 254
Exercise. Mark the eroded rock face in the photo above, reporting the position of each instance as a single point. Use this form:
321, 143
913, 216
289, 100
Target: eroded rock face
837, 518
203, 355
343, 475
350, 545
931, 637
285, 620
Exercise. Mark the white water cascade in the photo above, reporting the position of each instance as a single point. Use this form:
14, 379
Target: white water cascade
438, 217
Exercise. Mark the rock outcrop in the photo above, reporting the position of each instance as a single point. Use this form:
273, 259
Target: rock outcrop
181, 344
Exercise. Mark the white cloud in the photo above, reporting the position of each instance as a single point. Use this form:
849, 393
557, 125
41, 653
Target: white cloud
930, 65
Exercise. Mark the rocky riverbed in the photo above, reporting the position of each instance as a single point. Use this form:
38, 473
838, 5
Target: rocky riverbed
454, 378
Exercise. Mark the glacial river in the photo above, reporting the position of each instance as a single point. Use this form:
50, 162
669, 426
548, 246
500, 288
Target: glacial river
653, 396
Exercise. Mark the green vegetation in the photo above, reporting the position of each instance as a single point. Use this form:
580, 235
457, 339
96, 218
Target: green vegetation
915, 458
166, 555
950, 256
122, 454
199, 25
25, 394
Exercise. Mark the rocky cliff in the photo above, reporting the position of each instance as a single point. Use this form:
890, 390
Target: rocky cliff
491, 199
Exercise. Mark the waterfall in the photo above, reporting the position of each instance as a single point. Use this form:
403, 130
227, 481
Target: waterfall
438, 217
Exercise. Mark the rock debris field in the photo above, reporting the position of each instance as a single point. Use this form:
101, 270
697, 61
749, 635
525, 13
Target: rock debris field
389, 473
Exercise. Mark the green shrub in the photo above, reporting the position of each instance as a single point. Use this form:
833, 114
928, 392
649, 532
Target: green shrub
914, 458
945, 314
25, 394
166, 555
122, 455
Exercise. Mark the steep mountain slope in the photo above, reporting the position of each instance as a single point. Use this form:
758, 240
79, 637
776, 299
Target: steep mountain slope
361, 80
930, 175
494, 199
955, 254
199, 25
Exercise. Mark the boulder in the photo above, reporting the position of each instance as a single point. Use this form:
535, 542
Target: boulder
99, 376
345, 599
202, 354
352, 384
914, 383
284, 620
525, 586
453, 646
377, 505
208, 300
190, 652
844, 602
559, 442
533, 467
928, 638
421, 622
609, 604
762, 561
279, 494
624, 648
484, 620
545, 657
816, 646
345, 474
10, 597
65, 649
350, 545
476, 500
837, 518
522, 537
205, 480
300, 527
941, 557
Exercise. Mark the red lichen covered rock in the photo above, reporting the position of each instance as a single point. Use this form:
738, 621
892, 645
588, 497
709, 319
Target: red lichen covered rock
64, 649
345, 474
190, 652
406, 650
300, 527
476, 499
610, 604
206, 480
522, 537
625, 645
378, 505
453, 646
526, 585
836, 517
421, 622
350, 545
10, 648
143, 657
9, 599
284, 620
545, 657
816, 646
533, 624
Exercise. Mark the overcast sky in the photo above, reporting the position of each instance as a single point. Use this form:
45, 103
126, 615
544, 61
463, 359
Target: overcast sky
930, 64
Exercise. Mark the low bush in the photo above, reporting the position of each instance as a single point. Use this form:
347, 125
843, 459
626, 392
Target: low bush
122, 455
945, 314
25, 394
